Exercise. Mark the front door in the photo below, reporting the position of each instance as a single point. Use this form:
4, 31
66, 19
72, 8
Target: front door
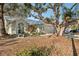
20, 28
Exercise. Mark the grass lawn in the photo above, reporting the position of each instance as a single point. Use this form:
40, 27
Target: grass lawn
60, 45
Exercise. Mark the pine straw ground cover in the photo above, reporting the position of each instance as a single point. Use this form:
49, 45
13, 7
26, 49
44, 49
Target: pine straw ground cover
60, 45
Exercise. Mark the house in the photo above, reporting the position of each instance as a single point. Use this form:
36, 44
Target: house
15, 25
20, 25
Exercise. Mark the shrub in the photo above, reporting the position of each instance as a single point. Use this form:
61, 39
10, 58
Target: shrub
36, 33
42, 51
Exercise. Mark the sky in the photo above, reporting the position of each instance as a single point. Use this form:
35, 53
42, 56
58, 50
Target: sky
49, 13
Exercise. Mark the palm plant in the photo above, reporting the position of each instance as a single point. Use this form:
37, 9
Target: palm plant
68, 12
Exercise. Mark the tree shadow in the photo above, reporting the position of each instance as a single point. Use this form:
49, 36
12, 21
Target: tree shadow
10, 41
74, 48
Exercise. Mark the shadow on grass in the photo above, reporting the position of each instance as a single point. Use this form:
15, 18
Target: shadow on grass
10, 41
74, 48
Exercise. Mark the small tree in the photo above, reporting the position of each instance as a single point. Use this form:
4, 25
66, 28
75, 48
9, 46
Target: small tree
2, 24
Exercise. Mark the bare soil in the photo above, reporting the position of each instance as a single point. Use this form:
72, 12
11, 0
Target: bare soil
61, 46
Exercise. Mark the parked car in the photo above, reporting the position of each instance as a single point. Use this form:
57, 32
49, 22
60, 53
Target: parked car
67, 30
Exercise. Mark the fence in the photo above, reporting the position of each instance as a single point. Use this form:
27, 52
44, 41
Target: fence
72, 36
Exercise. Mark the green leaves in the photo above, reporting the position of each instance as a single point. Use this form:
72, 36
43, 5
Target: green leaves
17, 9
69, 11
39, 8
73, 6
42, 51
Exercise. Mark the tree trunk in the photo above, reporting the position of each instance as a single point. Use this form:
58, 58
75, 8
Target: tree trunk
40, 16
57, 15
2, 26
61, 31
